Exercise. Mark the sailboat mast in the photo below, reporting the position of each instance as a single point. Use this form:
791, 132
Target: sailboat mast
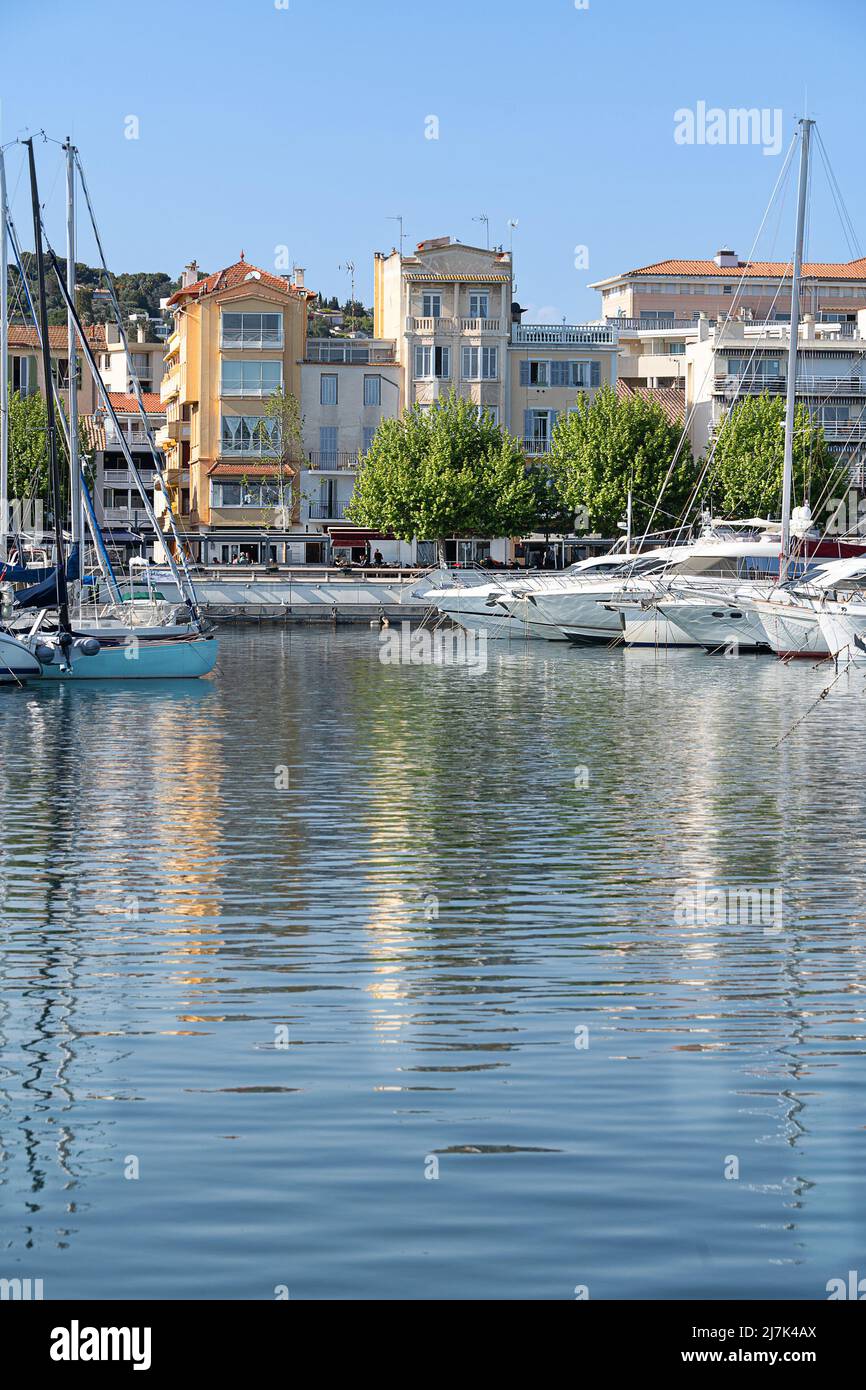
791, 395
4, 367
76, 529
51, 426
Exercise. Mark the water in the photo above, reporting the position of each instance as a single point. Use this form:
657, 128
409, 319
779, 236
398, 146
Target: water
431, 909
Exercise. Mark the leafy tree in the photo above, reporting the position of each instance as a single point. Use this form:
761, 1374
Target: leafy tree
553, 516
446, 471
28, 447
612, 443
745, 474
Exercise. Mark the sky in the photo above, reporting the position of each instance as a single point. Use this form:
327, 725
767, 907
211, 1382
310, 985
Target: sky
295, 129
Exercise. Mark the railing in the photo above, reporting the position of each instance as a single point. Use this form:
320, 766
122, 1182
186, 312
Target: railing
121, 477
653, 325
245, 340
248, 449
552, 334
254, 392
136, 515
843, 431
480, 325
324, 350
327, 511
806, 385
323, 459
438, 324
534, 447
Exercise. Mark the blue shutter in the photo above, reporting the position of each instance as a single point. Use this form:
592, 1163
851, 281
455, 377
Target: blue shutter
552, 422
527, 421
557, 373
524, 373
595, 373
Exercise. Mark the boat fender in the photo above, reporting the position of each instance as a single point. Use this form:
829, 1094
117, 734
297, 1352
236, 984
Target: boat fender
43, 653
88, 646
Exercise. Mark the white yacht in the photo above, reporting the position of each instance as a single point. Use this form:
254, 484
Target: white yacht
502, 607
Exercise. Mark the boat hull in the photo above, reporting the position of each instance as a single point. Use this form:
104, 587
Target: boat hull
143, 660
17, 664
718, 627
792, 630
841, 631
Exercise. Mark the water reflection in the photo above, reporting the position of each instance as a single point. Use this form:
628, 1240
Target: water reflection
429, 905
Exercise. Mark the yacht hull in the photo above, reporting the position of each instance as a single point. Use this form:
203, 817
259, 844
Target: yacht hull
16, 662
142, 660
718, 627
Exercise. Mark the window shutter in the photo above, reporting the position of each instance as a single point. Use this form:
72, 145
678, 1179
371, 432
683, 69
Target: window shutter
595, 373
552, 421
524, 373
527, 417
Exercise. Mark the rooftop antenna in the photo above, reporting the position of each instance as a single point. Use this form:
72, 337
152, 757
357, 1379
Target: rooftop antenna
482, 217
349, 268
398, 217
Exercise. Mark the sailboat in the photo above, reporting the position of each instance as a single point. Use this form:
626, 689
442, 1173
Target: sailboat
102, 646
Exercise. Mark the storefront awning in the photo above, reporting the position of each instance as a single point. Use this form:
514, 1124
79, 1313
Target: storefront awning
354, 537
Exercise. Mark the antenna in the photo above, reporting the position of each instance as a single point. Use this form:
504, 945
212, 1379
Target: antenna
482, 217
398, 217
349, 268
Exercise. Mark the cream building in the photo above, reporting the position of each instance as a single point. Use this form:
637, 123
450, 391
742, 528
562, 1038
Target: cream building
238, 336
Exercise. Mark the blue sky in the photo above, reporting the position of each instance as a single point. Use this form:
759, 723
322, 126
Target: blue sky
304, 127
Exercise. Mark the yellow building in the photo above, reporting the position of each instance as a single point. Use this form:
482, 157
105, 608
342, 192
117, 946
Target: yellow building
239, 335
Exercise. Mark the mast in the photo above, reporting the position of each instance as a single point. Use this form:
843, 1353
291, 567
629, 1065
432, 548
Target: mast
51, 427
791, 395
4, 366
76, 530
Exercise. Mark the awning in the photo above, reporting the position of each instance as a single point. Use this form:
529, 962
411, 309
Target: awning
249, 470
344, 538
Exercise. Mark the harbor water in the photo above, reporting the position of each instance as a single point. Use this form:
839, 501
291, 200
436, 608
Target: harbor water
331, 978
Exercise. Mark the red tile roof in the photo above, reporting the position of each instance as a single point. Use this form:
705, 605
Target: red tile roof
238, 274
821, 270
21, 336
249, 470
126, 404
670, 398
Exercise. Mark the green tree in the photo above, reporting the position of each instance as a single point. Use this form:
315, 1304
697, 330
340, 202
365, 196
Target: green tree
745, 473
28, 447
604, 447
442, 472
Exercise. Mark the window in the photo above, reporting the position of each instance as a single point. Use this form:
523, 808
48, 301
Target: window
372, 390
253, 492
252, 330
534, 373
480, 363
328, 444
489, 413
432, 362
478, 305
251, 378
431, 306
23, 375
369, 435
328, 389
249, 434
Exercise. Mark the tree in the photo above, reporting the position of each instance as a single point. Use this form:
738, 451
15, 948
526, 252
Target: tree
553, 516
28, 448
442, 472
613, 443
745, 473
285, 442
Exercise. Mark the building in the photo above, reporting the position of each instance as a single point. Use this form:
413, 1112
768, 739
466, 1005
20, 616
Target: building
116, 498
146, 354
675, 291
238, 336
550, 366
348, 385
727, 362
447, 307
25, 362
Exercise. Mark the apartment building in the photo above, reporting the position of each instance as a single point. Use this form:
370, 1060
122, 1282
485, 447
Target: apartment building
146, 351
348, 385
116, 498
673, 292
238, 336
447, 308
25, 362
550, 366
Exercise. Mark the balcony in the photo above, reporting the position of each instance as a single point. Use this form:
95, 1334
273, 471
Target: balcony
327, 511
533, 448
653, 325
350, 350
169, 387
806, 385
248, 450
260, 393
439, 324
480, 325
128, 516
270, 341
564, 335
333, 460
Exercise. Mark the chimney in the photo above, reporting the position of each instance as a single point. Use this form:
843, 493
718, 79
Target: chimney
190, 275
726, 260
298, 277
141, 332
